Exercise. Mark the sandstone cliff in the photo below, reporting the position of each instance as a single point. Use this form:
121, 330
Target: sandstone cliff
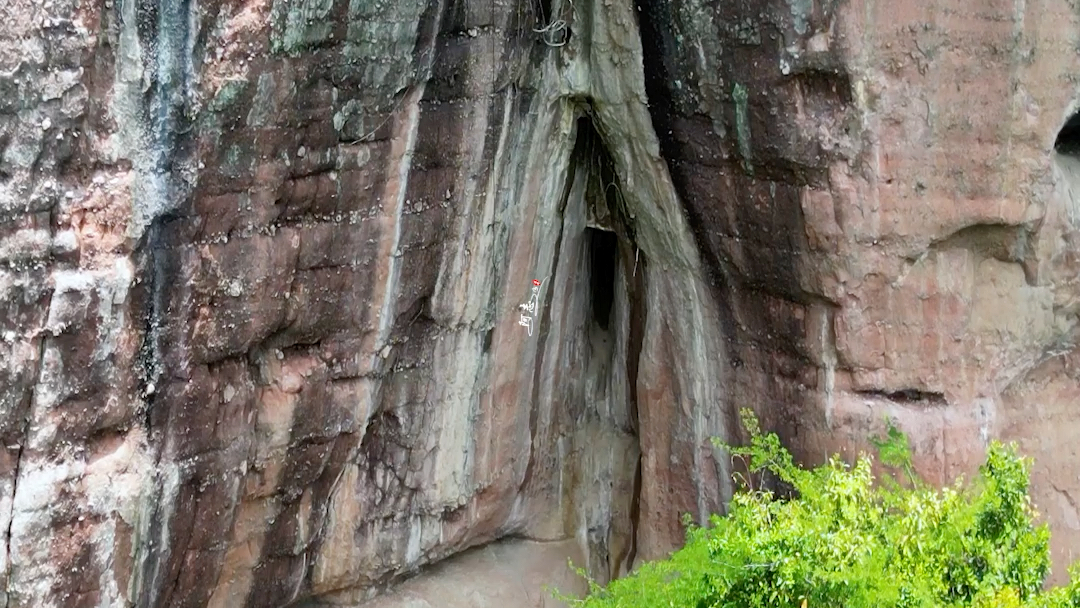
262, 262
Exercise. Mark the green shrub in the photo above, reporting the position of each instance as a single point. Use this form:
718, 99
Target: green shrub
847, 540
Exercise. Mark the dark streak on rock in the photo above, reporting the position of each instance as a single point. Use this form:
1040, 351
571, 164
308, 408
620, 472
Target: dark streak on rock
907, 395
166, 38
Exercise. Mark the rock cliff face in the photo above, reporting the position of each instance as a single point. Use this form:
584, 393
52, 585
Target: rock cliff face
262, 265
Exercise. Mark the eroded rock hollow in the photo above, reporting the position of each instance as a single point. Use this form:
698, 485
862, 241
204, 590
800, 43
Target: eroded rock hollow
263, 266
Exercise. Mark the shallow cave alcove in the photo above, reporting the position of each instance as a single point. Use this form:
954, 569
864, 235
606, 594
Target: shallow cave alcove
1068, 138
1065, 161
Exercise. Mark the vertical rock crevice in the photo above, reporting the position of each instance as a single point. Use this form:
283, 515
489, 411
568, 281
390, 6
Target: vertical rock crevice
637, 418
676, 358
606, 385
597, 305
24, 437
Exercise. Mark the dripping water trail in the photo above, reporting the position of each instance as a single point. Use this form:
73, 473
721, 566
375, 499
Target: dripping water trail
156, 264
164, 34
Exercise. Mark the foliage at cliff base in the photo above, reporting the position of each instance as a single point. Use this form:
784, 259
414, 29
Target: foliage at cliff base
847, 540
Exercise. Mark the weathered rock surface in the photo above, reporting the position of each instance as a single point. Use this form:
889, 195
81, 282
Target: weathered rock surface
497, 575
876, 189
261, 265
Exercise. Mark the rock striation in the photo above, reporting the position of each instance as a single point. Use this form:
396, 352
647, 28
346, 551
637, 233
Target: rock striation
262, 266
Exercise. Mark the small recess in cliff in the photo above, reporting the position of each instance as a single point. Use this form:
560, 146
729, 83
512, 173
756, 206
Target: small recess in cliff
1068, 138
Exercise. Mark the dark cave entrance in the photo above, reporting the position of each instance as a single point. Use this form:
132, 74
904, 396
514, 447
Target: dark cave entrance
603, 248
603, 243
605, 223
1068, 138
1066, 163
598, 410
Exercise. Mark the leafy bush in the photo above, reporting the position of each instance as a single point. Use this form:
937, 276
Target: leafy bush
847, 540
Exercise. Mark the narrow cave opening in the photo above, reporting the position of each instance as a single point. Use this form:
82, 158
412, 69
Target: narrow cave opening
1066, 163
603, 225
603, 248
1068, 138
608, 316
